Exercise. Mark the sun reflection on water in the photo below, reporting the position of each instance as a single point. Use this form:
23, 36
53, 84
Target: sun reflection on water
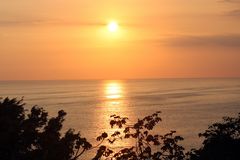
114, 100
113, 90
114, 95
114, 103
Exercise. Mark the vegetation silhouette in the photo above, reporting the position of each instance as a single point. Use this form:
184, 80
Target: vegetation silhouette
140, 132
32, 135
221, 141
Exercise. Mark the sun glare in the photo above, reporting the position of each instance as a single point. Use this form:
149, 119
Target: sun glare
113, 91
112, 26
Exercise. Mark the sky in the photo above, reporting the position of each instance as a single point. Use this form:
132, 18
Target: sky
59, 39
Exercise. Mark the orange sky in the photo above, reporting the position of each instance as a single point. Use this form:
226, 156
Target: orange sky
61, 39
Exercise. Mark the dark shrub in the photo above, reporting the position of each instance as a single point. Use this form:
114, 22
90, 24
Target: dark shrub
33, 137
221, 141
140, 132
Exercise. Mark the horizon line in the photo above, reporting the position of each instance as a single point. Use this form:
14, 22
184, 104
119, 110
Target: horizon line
118, 79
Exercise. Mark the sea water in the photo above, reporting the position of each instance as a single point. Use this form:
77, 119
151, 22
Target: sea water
187, 105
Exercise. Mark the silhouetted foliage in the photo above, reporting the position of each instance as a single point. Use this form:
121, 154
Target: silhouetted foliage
140, 132
33, 137
221, 141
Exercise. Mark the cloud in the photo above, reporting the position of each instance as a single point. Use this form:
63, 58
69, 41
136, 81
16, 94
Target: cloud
203, 41
20, 22
231, 1
233, 13
28, 22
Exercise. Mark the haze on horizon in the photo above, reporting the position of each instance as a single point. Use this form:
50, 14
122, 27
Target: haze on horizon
60, 39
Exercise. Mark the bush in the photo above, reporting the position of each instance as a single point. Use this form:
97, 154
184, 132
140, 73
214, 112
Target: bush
34, 136
140, 132
221, 141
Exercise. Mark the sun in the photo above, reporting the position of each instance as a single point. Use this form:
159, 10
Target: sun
112, 26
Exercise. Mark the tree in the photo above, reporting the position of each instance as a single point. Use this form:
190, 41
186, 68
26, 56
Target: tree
144, 141
33, 137
221, 141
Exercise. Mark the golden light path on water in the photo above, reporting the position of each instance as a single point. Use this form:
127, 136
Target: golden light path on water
113, 90
115, 99
115, 102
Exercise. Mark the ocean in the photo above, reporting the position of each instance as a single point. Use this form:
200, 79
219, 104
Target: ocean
187, 105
